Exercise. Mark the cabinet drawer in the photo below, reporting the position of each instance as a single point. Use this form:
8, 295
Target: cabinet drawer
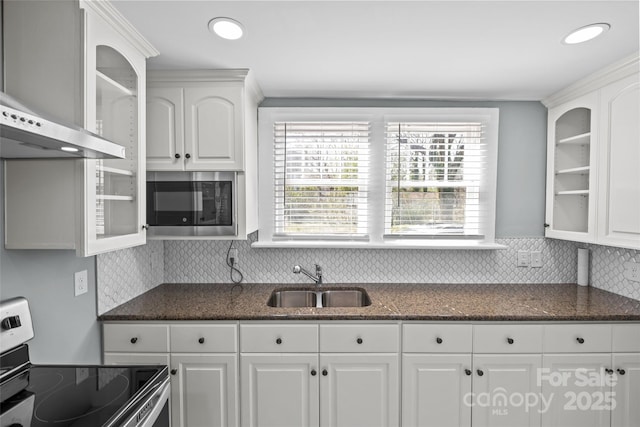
436, 338
579, 338
204, 338
626, 338
359, 338
278, 338
134, 338
507, 339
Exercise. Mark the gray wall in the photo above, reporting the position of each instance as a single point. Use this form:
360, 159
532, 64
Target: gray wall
66, 329
521, 155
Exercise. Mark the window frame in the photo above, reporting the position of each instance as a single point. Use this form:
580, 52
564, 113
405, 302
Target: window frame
378, 118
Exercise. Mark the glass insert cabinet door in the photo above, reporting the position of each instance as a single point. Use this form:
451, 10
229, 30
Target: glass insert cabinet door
114, 191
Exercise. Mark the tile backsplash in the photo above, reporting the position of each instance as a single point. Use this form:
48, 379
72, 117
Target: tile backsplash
122, 275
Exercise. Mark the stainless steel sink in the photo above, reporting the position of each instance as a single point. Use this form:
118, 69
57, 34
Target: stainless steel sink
351, 297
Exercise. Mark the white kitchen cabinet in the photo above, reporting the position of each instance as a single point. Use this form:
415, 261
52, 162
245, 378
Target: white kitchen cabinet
202, 360
626, 390
434, 388
351, 368
280, 389
501, 385
204, 390
100, 86
202, 120
619, 157
593, 149
571, 170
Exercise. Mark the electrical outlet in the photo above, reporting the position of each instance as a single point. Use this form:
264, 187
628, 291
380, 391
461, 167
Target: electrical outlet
524, 259
81, 285
632, 271
233, 257
536, 259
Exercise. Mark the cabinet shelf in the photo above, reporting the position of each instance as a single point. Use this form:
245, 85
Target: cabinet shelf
114, 197
115, 171
582, 139
107, 82
573, 193
583, 170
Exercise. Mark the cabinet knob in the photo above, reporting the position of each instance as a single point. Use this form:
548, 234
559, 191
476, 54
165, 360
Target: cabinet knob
621, 371
580, 340
201, 340
325, 372
546, 225
188, 156
313, 372
609, 371
480, 373
145, 226
467, 371
279, 341
177, 156
359, 341
134, 340
174, 371
510, 340
439, 340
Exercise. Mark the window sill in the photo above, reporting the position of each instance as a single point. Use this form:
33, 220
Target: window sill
413, 244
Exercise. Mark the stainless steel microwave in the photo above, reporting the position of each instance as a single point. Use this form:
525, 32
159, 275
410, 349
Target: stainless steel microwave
185, 204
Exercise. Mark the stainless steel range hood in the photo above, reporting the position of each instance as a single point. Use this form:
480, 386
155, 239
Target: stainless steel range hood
27, 135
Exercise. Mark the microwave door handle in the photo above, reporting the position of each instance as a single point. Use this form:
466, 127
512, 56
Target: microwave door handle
218, 201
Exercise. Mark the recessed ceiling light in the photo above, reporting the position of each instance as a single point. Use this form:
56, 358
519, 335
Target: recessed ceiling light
586, 33
226, 28
69, 149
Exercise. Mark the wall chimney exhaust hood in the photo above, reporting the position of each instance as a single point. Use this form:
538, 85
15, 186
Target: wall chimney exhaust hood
28, 135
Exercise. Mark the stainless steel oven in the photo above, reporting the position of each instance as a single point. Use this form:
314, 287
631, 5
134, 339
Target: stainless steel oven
73, 395
182, 204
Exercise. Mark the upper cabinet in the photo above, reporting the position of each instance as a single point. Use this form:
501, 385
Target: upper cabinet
593, 153
201, 120
96, 78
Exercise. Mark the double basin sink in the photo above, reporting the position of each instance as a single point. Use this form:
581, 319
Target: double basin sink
318, 297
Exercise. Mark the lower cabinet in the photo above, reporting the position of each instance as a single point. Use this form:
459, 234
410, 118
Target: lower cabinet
204, 390
368, 374
288, 381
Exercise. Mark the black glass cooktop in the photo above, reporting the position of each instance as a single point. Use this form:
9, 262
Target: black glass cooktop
78, 396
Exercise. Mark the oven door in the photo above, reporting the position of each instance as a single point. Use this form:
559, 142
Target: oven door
153, 411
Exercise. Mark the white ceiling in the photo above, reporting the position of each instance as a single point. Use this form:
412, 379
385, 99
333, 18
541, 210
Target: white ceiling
393, 49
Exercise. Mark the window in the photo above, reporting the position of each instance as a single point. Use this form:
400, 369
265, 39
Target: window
321, 172
376, 177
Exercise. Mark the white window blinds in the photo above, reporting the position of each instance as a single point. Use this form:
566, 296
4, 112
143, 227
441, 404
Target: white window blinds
434, 176
321, 171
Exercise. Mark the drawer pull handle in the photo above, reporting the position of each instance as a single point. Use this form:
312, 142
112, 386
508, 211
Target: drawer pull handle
510, 340
467, 371
134, 340
174, 371
201, 340
279, 341
580, 340
621, 371
313, 372
325, 372
609, 371
359, 341
439, 340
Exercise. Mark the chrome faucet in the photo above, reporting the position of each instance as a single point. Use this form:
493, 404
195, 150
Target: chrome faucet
317, 278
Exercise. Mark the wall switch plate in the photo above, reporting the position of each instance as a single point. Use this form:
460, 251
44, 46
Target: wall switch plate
524, 259
536, 259
632, 271
81, 284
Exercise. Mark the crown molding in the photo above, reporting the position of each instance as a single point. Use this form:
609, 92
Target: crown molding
618, 70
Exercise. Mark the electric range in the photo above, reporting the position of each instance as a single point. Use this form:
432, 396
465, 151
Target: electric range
73, 395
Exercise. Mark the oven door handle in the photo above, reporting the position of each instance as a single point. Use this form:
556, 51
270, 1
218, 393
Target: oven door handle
158, 400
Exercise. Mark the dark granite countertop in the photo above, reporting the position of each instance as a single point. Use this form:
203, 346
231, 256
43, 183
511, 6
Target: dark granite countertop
389, 301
